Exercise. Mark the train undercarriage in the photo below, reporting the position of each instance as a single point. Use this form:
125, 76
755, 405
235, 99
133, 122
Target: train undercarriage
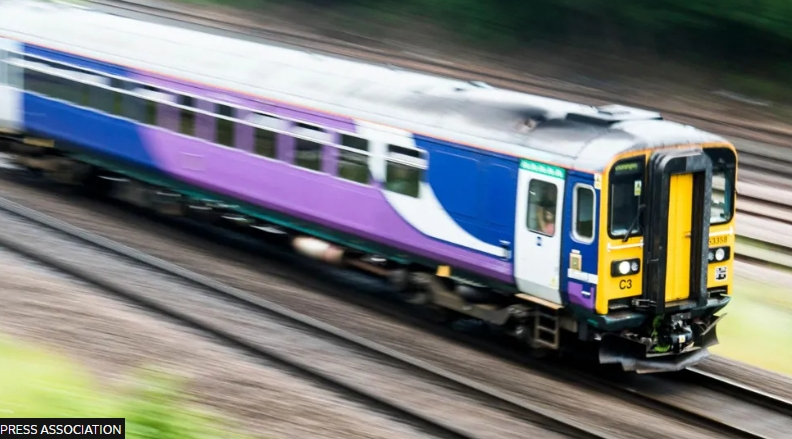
646, 344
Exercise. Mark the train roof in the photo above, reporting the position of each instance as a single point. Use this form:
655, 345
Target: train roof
520, 124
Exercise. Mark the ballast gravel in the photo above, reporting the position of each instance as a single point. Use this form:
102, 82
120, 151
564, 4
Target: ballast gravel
112, 339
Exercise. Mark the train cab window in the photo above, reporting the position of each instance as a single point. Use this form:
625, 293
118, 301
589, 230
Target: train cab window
308, 153
584, 213
626, 197
404, 171
353, 165
224, 132
723, 177
187, 116
542, 202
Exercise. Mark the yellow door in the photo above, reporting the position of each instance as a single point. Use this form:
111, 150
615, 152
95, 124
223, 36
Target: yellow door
680, 223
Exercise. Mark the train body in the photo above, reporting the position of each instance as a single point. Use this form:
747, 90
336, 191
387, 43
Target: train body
554, 220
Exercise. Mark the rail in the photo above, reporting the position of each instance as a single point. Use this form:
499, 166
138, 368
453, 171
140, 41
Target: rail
508, 403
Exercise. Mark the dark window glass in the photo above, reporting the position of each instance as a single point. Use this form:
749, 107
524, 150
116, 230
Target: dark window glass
542, 203
723, 177
187, 117
151, 108
403, 178
224, 127
626, 195
265, 143
584, 213
353, 165
308, 154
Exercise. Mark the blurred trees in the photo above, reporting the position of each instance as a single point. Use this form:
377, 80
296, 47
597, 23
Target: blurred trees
725, 30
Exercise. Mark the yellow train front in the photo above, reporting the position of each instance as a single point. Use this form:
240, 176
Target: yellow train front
665, 265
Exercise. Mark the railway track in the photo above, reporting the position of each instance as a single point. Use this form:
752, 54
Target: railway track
367, 49
642, 395
512, 410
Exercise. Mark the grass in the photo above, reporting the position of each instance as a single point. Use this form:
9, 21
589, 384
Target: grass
34, 383
758, 328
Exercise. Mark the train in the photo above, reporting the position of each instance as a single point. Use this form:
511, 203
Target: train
567, 226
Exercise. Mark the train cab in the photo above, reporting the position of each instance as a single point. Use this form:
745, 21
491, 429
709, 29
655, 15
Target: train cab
666, 266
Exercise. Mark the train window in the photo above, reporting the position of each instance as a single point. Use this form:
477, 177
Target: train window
265, 143
584, 213
626, 180
41, 83
404, 171
151, 107
308, 153
3, 67
118, 98
723, 164
225, 128
186, 116
353, 165
542, 202
101, 98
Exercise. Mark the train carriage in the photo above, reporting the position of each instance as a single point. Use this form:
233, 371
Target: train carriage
544, 217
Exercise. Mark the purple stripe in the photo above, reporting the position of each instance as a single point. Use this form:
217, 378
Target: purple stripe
320, 198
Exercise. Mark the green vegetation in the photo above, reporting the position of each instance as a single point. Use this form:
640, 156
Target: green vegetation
37, 384
748, 38
758, 327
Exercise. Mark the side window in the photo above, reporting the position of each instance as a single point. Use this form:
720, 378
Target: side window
308, 153
38, 82
542, 200
3, 67
404, 171
148, 107
353, 165
265, 143
224, 132
584, 213
101, 98
187, 116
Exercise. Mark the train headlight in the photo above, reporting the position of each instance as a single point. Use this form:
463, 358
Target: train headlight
625, 267
718, 254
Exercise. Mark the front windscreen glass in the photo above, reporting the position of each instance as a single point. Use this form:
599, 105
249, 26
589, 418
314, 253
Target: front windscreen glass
723, 178
626, 195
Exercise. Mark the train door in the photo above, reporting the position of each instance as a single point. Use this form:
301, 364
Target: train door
10, 85
678, 213
537, 248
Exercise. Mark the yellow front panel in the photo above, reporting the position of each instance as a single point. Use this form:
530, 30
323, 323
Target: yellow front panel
680, 221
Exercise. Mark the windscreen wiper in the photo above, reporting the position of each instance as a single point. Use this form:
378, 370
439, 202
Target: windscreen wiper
634, 222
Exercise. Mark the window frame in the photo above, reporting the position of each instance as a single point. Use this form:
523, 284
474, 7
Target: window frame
419, 162
575, 235
642, 220
349, 149
528, 210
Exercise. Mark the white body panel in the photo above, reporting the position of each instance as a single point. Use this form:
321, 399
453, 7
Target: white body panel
537, 256
10, 85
